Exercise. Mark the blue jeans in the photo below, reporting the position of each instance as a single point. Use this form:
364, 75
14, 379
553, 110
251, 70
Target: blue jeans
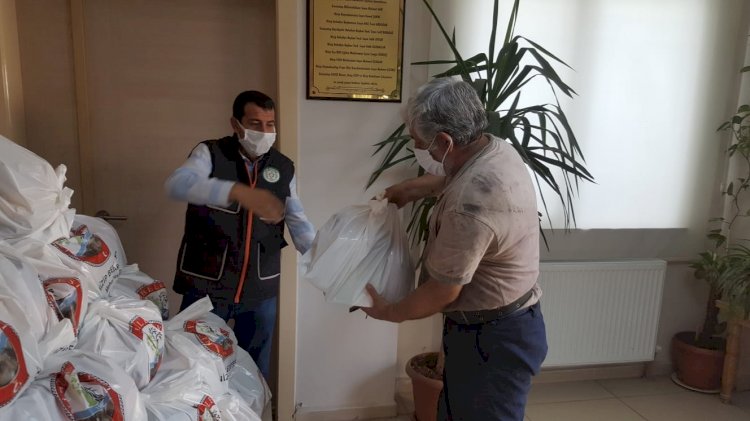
253, 326
488, 367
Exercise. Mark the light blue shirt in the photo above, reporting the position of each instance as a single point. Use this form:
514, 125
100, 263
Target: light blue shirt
192, 183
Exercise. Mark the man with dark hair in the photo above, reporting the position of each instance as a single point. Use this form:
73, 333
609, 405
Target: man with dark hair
240, 194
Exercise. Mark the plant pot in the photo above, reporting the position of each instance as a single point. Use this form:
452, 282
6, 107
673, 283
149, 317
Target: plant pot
425, 387
697, 368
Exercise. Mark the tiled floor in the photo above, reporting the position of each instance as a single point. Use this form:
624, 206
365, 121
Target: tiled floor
625, 400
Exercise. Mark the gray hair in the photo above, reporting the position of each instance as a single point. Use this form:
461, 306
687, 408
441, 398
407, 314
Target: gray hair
446, 105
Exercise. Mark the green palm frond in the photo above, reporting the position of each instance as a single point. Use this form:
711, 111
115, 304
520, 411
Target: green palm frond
540, 133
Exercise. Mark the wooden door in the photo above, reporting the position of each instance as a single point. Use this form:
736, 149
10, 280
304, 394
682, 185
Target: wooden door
161, 77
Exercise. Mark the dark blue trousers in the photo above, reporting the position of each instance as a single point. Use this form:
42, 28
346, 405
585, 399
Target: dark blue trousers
253, 326
488, 367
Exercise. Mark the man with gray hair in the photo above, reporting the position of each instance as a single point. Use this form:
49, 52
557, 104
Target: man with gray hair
481, 260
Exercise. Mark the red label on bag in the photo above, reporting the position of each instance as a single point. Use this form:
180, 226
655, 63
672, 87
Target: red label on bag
13, 372
207, 410
156, 292
83, 396
65, 296
214, 340
84, 246
152, 335
151, 288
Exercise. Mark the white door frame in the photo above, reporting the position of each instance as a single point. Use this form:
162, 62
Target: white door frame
287, 43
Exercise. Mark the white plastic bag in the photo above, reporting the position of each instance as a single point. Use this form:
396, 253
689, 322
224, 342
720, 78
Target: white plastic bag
133, 283
37, 403
68, 291
93, 248
49, 262
21, 288
199, 340
79, 386
357, 246
247, 381
175, 395
33, 199
20, 359
19, 282
128, 333
234, 408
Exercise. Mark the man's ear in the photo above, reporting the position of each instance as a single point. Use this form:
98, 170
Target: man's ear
236, 126
444, 140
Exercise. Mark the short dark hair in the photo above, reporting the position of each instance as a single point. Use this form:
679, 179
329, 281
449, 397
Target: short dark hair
258, 98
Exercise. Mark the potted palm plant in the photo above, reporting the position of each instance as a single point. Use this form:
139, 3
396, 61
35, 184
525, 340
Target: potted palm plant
698, 357
540, 133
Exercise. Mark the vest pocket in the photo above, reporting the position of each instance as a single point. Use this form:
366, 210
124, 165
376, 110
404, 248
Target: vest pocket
234, 208
268, 264
204, 259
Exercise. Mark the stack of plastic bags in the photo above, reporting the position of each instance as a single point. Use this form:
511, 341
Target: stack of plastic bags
85, 336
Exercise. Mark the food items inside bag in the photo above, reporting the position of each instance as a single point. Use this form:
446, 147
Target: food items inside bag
128, 332
79, 386
133, 283
67, 300
361, 245
24, 302
20, 359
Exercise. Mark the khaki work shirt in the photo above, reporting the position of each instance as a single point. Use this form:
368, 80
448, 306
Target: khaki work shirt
484, 231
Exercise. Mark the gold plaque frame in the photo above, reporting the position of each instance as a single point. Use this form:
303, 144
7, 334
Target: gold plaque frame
355, 49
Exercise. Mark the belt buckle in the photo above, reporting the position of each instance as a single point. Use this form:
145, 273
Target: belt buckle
463, 315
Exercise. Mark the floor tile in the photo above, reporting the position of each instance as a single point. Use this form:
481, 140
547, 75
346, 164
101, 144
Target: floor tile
624, 388
567, 392
685, 407
597, 410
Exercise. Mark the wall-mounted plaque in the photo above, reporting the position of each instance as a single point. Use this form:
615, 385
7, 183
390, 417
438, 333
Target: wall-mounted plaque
355, 49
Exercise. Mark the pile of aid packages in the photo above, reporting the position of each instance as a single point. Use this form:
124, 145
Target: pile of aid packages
86, 336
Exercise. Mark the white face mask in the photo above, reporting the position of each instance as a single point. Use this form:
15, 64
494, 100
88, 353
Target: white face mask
430, 164
256, 143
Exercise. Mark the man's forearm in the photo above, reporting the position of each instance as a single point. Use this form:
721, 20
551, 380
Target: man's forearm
415, 189
427, 185
187, 185
431, 297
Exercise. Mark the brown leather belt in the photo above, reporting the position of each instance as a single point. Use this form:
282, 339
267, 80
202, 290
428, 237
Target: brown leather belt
484, 316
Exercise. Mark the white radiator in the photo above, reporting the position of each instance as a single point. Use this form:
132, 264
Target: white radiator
601, 312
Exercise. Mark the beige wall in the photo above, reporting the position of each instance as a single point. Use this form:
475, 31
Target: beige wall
12, 124
343, 359
44, 34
